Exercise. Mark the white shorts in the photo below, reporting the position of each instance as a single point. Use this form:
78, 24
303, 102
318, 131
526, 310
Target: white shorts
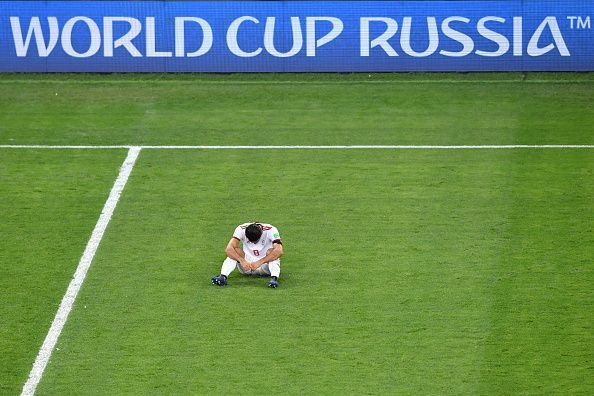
264, 270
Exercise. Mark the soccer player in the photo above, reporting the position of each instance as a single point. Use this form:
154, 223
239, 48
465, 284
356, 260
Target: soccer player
259, 255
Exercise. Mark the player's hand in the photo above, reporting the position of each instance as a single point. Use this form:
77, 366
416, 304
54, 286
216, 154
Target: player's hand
246, 266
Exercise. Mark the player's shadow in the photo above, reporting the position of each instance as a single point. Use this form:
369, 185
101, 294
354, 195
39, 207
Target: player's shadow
244, 281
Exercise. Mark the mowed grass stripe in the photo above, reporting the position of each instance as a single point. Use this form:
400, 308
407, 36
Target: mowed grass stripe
405, 272
474, 113
49, 203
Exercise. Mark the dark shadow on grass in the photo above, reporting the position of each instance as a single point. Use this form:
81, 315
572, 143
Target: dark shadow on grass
237, 280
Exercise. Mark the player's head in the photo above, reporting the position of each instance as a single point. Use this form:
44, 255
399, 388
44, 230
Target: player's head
253, 232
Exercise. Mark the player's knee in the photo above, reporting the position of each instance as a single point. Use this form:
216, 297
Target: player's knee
274, 264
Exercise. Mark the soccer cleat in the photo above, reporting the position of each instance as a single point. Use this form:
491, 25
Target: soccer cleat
220, 280
272, 283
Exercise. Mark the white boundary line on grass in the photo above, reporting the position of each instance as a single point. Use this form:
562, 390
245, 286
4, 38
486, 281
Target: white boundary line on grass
504, 146
79, 276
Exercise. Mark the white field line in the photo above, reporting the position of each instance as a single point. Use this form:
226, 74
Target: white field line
401, 147
79, 276
370, 147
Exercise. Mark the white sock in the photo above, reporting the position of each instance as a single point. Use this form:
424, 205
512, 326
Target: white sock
228, 266
274, 267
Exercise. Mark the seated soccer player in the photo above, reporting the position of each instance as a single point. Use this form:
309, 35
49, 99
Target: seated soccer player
259, 255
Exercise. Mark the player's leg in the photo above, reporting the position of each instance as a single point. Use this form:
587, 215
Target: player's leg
243, 271
274, 268
250, 259
228, 266
271, 269
263, 270
274, 271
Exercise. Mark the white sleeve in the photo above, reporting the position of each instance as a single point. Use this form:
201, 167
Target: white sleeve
275, 235
239, 233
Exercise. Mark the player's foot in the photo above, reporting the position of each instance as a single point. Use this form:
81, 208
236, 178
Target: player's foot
273, 282
220, 280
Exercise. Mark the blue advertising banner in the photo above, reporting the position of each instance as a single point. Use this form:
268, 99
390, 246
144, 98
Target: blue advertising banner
296, 36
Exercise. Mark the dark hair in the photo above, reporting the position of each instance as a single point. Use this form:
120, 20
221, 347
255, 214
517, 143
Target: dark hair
253, 232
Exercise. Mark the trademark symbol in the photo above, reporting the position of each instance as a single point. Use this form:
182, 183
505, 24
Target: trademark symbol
578, 22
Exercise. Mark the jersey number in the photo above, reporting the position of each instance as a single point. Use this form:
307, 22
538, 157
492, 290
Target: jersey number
257, 252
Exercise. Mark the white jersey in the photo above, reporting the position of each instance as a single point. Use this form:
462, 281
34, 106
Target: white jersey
258, 250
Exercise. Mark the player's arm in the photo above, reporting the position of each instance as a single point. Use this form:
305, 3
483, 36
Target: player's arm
235, 253
271, 255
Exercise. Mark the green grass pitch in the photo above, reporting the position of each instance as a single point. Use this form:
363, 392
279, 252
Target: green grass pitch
405, 271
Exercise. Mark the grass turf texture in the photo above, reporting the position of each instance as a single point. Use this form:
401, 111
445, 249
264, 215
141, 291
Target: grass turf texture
316, 110
49, 203
417, 272
406, 271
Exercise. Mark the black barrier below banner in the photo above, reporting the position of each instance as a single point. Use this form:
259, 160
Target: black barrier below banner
296, 36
